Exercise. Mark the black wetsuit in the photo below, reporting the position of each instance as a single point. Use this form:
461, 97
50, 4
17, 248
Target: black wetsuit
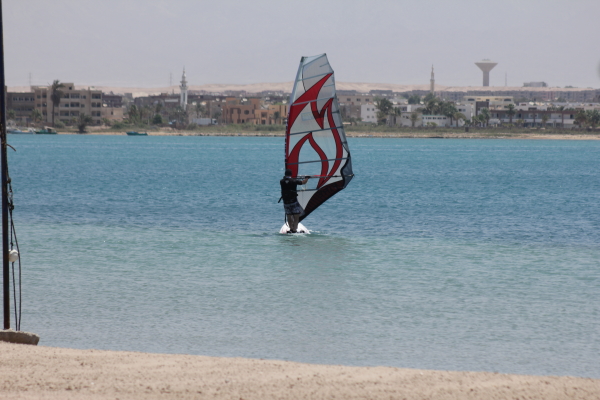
289, 190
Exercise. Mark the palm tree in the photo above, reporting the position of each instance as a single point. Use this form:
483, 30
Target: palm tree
55, 95
36, 115
395, 114
544, 119
458, 116
448, 110
511, 112
82, 121
414, 117
485, 115
432, 106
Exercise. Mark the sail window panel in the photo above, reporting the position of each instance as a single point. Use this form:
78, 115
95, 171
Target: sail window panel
337, 118
298, 91
324, 140
294, 139
305, 122
307, 153
312, 69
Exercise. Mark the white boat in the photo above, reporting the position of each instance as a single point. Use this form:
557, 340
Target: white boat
17, 131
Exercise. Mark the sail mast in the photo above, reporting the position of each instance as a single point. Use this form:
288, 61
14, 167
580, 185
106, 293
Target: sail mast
4, 167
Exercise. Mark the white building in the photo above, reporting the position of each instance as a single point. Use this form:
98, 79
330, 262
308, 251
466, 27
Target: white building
438, 120
368, 112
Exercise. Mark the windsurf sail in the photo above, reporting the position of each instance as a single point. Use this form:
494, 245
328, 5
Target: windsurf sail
315, 141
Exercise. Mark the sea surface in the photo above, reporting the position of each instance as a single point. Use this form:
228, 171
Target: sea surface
479, 255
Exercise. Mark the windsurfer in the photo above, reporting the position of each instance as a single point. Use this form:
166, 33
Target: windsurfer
289, 194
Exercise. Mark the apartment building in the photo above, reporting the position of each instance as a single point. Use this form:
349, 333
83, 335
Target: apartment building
22, 104
368, 112
73, 103
252, 111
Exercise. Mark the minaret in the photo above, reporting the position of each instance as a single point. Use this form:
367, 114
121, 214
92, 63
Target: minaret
432, 81
183, 98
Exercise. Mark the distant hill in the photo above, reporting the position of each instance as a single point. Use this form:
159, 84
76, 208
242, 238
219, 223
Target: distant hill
287, 86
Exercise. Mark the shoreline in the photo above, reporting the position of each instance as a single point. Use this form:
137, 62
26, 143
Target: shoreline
34, 372
393, 135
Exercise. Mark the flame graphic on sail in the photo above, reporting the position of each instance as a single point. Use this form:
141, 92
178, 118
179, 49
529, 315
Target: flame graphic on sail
314, 122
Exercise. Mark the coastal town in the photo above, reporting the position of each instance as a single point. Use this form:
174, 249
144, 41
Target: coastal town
65, 105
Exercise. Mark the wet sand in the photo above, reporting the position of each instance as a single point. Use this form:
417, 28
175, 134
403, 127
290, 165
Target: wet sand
30, 372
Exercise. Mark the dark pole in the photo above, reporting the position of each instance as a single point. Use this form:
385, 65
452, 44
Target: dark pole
4, 167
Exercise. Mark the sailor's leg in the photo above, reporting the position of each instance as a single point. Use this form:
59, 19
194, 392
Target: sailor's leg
290, 221
296, 220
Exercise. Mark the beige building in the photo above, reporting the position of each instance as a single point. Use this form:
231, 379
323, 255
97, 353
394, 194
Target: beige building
251, 111
73, 103
22, 103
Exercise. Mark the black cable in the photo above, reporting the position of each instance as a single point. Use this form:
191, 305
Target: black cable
13, 233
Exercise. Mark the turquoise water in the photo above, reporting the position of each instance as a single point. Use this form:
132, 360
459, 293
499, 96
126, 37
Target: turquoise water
441, 254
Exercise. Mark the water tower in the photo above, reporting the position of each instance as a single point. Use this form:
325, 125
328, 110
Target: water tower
486, 66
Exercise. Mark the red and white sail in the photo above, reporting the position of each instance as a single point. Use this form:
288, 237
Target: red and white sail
315, 141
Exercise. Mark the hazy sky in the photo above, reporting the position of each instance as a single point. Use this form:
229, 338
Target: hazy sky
140, 42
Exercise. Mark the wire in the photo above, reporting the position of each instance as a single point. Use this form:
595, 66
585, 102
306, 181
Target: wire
13, 234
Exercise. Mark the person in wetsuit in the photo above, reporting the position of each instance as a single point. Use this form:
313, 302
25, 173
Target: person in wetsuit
289, 194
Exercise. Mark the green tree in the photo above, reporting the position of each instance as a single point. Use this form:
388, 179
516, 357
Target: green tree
181, 115
157, 120
414, 118
414, 99
448, 109
11, 115
199, 109
580, 118
384, 108
432, 105
158, 107
133, 114
593, 118
458, 116
55, 95
511, 112
83, 121
277, 116
36, 115
544, 119
485, 115
428, 97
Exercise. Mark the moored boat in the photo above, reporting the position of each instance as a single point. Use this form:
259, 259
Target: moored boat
18, 131
46, 131
134, 133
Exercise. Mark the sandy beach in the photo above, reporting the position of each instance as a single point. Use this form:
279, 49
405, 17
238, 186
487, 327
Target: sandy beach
38, 372
404, 134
